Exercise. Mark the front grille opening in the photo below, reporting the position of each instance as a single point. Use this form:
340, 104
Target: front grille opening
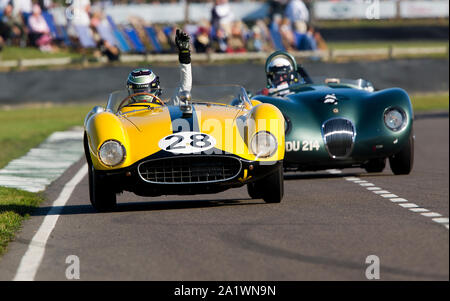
182, 170
339, 134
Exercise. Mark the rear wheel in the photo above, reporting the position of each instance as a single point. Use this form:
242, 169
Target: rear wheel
402, 162
270, 188
103, 198
375, 165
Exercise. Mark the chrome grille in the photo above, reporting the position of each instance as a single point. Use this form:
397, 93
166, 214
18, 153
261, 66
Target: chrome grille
339, 136
190, 170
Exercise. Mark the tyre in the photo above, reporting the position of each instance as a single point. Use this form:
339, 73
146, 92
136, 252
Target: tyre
270, 188
375, 165
253, 191
103, 199
402, 162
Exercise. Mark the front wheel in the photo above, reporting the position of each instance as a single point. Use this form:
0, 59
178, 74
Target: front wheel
402, 162
270, 188
102, 197
253, 191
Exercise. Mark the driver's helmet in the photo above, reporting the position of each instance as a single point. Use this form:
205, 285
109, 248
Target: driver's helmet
280, 72
143, 80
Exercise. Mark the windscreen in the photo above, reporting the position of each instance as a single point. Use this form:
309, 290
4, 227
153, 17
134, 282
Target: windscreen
219, 94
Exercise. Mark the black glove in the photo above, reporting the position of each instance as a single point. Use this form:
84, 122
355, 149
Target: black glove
182, 42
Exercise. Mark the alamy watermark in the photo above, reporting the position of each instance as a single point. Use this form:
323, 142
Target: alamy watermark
373, 270
73, 268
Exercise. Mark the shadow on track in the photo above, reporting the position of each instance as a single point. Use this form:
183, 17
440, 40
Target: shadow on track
244, 241
150, 206
310, 176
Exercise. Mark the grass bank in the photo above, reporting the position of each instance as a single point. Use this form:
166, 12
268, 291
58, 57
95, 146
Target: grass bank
22, 128
430, 102
16, 53
362, 23
386, 44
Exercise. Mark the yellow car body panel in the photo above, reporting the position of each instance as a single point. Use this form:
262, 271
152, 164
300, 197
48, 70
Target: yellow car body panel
140, 130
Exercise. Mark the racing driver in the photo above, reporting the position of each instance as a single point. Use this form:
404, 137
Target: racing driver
280, 75
145, 80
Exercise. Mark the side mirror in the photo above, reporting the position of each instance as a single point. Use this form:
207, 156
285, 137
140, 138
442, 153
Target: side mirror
185, 97
185, 107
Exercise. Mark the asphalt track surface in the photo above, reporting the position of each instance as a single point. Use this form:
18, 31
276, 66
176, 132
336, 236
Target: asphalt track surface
324, 228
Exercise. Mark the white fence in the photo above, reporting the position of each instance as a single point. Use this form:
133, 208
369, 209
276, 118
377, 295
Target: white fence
380, 9
423, 9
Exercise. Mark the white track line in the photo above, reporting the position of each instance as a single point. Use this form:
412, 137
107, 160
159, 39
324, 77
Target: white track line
419, 210
389, 195
408, 205
398, 200
404, 203
32, 259
373, 188
381, 192
431, 214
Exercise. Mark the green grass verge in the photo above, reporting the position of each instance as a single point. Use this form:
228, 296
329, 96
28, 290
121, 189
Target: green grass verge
25, 127
430, 102
15, 206
22, 128
15, 53
381, 23
385, 44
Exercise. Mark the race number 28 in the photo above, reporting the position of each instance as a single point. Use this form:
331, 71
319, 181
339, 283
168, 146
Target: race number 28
187, 142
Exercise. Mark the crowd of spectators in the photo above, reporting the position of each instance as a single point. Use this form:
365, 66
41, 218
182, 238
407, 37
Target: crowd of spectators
287, 26
22, 24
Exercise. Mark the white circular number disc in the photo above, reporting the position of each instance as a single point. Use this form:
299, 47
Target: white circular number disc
187, 142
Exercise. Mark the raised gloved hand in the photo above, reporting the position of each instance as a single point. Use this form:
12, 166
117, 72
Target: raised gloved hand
182, 42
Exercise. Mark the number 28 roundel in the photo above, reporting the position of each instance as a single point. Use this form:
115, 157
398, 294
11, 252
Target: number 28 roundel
187, 142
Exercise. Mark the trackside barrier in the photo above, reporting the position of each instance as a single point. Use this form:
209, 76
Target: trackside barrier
387, 52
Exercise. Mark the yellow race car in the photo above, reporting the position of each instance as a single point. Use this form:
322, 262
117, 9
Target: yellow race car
211, 141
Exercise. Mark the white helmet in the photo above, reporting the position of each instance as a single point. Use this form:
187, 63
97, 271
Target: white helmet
280, 70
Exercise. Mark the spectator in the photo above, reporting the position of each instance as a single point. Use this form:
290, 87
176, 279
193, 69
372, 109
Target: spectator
255, 42
12, 28
220, 40
81, 9
236, 42
296, 10
3, 4
277, 7
40, 33
287, 36
202, 43
110, 51
222, 16
45, 4
22, 7
321, 44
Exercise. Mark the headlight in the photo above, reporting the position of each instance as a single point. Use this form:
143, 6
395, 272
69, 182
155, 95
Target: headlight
111, 153
395, 119
263, 144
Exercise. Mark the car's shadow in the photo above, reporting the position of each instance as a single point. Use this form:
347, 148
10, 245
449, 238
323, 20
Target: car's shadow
309, 176
146, 206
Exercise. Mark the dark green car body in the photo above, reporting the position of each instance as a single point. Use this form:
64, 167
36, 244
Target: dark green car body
318, 115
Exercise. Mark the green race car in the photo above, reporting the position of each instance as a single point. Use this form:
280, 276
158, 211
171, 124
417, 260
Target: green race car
334, 123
